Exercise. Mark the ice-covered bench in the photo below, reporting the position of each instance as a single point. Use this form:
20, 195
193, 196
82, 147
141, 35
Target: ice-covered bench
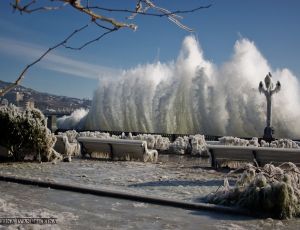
277, 156
118, 149
223, 154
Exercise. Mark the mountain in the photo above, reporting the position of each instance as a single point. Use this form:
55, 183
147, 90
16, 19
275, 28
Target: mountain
46, 102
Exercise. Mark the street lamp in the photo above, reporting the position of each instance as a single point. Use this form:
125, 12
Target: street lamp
268, 89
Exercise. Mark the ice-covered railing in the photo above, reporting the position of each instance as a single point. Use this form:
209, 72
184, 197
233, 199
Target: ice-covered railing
180, 145
70, 134
193, 144
235, 141
281, 143
153, 141
97, 134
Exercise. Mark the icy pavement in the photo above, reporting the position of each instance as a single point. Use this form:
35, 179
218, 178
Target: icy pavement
177, 177
82, 211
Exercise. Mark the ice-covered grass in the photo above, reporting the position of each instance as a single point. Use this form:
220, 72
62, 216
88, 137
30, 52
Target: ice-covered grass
273, 191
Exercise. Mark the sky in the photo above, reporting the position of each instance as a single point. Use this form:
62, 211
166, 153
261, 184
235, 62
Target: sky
273, 25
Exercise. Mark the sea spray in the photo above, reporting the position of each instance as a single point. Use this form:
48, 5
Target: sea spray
192, 95
74, 121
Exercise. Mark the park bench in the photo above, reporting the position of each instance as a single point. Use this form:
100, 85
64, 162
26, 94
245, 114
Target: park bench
117, 149
222, 155
277, 156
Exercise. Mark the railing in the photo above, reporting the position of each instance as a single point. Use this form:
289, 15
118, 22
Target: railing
171, 136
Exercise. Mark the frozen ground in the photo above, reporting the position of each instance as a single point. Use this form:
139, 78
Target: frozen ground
177, 177
81, 211
174, 177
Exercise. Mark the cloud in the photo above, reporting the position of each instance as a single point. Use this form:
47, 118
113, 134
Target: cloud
53, 61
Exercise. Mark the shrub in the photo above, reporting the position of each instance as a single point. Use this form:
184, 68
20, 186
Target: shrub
274, 191
24, 132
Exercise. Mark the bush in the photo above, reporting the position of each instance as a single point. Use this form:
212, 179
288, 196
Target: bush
25, 133
274, 191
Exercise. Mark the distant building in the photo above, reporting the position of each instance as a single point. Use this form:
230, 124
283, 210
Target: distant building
19, 97
4, 102
29, 104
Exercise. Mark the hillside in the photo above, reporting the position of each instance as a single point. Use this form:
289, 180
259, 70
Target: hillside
43, 101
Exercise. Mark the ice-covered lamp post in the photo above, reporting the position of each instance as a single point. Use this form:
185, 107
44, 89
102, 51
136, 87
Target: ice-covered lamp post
269, 90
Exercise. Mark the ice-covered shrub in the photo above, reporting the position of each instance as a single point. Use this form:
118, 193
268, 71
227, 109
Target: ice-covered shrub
234, 141
162, 143
281, 143
71, 135
198, 145
150, 139
275, 191
96, 134
264, 143
254, 142
284, 143
153, 141
24, 132
180, 145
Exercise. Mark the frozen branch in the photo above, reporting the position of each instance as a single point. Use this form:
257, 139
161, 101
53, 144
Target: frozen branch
22, 75
25, 8
151, 14
91, 41
103, 22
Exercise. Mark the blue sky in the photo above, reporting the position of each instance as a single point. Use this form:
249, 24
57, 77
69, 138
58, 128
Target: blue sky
272, 24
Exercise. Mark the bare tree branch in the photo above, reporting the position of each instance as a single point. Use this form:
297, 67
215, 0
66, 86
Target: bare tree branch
151, 14
76, 4
22, 75
94, 16
25, 8
142, 7
91, 41
103, 27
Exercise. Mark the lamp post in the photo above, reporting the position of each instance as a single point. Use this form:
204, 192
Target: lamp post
268, 89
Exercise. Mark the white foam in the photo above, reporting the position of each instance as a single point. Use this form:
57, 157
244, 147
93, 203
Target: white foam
193, 95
